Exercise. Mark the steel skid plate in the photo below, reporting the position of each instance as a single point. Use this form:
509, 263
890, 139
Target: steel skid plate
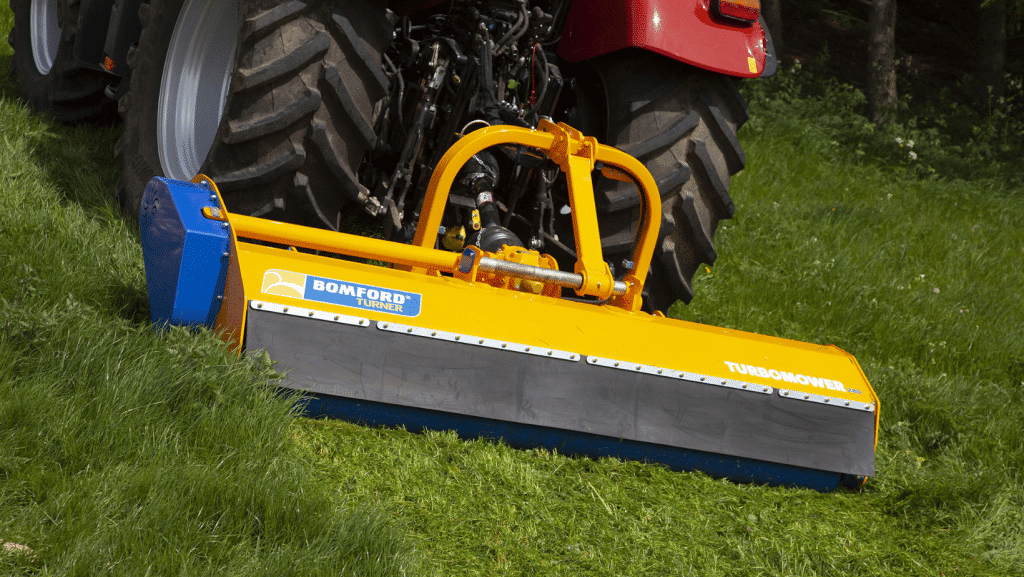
390, 347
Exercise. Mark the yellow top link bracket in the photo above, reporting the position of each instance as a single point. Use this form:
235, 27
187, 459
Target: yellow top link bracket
576, 155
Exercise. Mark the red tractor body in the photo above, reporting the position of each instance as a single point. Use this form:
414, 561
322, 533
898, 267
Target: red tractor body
690, 31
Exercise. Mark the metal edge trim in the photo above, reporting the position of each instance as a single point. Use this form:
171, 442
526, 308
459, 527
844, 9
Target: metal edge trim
309, 313
478, 341
824, 400
681, 375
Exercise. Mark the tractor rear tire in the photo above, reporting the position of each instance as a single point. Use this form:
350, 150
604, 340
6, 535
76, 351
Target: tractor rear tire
281, 126
49, 78
681, 122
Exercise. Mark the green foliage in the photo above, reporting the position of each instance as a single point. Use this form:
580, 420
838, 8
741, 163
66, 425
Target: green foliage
942, 138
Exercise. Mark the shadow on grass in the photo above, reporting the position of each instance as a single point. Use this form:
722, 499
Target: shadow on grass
76, 159
129, 301
76, 163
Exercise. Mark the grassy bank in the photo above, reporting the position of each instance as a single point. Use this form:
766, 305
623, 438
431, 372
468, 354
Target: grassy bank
127, 452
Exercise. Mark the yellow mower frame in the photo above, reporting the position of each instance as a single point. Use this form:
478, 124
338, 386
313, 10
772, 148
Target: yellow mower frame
481, 342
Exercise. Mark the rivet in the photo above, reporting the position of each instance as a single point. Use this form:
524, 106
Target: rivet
616, 364
504, 345
458, 337
807, 396
480, 342
847, 403
310, 313
408, 330
385, 325
259, 305
224, 254
661, 371
785, 393
433, 333
527, 349
285, 309
336, 317
744, 385
224, 225
551, 353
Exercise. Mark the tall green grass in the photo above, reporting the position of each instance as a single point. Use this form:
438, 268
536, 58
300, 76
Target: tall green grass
124, 451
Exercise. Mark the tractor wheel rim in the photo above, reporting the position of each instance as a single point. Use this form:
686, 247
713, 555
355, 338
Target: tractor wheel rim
195, 84
45, 33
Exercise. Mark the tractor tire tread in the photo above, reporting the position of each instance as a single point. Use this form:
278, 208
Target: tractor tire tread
700, 159
340, 91
331, 155
681, 122
270, 19
245, 129
292, 133
69, 92
354, 46
724, 135
285, 65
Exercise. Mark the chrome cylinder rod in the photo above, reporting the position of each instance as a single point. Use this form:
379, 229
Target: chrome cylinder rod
545, 275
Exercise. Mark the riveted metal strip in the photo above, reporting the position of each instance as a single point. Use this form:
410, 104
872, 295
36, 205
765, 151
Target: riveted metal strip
478, 341
824, 400
309, 313
681, 375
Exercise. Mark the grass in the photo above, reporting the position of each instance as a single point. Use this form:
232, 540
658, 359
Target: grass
124, 451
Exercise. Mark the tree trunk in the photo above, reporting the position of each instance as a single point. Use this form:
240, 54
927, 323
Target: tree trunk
772, 12
882, 60
990, 85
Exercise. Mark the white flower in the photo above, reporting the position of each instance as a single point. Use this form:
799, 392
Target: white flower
899, 141
913, 155
910, 144
935, 290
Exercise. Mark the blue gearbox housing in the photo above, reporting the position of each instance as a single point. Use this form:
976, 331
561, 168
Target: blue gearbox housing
186, 253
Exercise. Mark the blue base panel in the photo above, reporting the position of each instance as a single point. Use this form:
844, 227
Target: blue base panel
737, 469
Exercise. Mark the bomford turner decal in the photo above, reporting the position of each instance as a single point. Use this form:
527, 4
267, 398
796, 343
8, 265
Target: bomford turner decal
339, 292
787, 376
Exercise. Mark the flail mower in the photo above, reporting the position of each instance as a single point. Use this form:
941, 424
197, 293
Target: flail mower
501, 343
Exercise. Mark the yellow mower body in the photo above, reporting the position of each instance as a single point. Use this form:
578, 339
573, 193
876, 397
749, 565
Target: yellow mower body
482, 342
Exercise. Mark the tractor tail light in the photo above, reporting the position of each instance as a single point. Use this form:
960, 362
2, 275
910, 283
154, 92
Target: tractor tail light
743, 10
